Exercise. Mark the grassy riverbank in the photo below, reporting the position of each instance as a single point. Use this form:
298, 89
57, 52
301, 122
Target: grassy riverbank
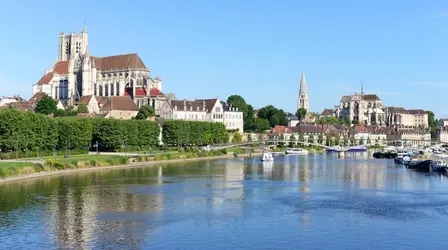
16, 170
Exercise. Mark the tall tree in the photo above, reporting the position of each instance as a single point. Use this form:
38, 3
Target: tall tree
249, 119
46, 106
432, 122
144, 112
273, 115
262, 124
301, 113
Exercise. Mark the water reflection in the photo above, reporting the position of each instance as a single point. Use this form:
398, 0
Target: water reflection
174, 205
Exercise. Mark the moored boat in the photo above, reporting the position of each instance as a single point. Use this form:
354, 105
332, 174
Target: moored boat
357, 149
296, 151
384, 155
420, 165
267, 156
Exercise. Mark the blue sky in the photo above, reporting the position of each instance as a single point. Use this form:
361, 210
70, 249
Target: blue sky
255, 48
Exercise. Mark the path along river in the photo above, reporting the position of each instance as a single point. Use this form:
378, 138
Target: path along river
299, 202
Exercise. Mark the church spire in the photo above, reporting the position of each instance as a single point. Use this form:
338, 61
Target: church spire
303, 94
362, 88
85, 27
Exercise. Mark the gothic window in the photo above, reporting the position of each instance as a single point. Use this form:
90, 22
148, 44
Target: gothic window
106, 90
94, 89
154, 103
112, 89
117, 85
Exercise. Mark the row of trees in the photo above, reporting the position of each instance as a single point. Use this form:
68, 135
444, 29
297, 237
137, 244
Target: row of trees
21, 130
268, 116
179, 132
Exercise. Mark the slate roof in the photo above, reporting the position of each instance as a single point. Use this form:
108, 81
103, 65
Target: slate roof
120, 103
370, 98
128, 61
209, 103
327, 112
188, 105
36, 97
86, 99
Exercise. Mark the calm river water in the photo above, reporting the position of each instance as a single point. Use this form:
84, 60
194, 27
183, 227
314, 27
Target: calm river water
311, 202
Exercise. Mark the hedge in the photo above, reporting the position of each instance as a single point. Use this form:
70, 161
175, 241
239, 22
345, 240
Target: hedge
179, 132
36, 132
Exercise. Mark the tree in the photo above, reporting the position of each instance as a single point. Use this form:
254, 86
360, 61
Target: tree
237, 137
46, 106
432, 122
249, 119
293, 138
301, 138
262, 124
301, 113
273, 115
337, 140
82, 108
144, 112
368, 140
361, 141
249, 137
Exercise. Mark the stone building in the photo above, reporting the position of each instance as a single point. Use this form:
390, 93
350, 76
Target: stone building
211, 110
76, 73
398, 116
361, 109
443, 122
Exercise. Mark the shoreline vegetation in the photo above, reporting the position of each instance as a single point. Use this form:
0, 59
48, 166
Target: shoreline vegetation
26, 169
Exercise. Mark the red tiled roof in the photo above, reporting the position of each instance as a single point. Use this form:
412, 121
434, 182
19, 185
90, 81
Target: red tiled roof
120, 103
129, 61
86, 99
46, 78
36, 97
27, 106
61, 67
142, 92
155, 92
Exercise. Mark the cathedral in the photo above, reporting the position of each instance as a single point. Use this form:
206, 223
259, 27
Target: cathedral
76, 74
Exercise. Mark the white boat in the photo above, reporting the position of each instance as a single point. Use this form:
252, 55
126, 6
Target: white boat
267, 156
296, 151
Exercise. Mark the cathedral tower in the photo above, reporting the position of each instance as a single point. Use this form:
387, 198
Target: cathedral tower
303, 95
72, 45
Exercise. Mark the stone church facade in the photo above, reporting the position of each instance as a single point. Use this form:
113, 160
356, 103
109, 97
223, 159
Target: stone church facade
76, 74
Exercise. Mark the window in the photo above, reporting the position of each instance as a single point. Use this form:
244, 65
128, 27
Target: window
217, 109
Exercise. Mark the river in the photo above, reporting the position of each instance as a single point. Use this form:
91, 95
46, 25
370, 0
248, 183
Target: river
299, 202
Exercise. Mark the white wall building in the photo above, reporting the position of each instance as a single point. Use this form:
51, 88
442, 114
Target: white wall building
211, 110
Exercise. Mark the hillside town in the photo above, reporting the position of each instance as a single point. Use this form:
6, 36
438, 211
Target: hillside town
121, 86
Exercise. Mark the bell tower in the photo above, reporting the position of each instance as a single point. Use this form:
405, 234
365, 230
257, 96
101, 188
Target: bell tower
72, 45
303, 95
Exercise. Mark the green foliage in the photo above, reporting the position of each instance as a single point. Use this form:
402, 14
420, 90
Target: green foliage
273, 115
74, 133
432, 122
345, 140
337, 140
82, 108
320, 139
293, 139
301, 113
46, 106
237, 137
262, 124
179, 132
144, 112
112, 135
361, 141
301, 138
65, 112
